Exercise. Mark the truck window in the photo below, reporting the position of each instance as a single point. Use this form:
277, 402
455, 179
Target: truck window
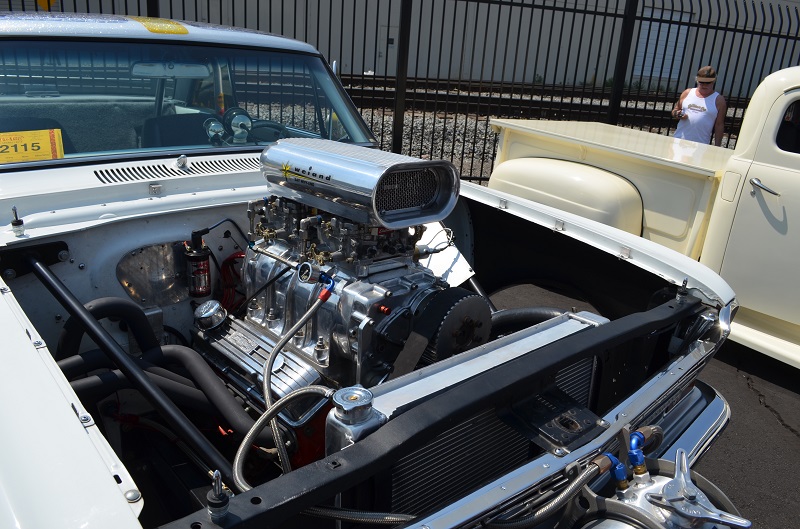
788, 138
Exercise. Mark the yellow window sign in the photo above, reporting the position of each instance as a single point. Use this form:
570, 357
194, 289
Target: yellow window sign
46, 5
29, 145
160, 25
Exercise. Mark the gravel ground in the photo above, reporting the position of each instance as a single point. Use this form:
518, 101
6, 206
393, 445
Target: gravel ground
465, 140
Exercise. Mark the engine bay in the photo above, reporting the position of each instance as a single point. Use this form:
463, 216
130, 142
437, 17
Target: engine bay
336, 322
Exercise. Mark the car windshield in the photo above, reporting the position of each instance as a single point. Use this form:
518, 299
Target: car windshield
76, 99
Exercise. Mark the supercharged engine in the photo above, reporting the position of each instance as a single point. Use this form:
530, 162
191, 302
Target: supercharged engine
337, 371
334, 292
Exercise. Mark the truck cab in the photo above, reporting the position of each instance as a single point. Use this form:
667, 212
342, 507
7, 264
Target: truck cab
753, 240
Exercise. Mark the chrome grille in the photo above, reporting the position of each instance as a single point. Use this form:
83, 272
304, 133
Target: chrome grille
406, 189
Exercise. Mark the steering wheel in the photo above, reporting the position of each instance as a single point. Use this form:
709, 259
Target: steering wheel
266, 130
242, 128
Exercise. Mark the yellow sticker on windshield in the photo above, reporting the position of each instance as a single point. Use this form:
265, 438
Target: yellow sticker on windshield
29, 145
161, 25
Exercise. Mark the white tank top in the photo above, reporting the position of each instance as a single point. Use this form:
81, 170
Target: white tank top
701, 113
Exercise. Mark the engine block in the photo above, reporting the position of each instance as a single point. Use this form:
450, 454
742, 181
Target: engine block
386, 314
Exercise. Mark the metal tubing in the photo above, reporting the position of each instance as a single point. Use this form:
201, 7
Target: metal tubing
168, 410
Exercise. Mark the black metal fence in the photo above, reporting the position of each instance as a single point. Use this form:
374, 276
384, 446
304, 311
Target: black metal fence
428, 75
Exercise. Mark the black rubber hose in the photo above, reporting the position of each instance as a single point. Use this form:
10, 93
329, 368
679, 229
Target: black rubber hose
78, 364
176, 420
202, 375
94, 359
172, 375
69, 341
207, 380
99, 386
511, 320
135, 318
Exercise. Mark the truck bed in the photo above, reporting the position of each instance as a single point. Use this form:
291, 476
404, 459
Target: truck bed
676, 179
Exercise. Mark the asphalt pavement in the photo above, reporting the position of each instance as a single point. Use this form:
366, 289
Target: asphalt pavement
756, 460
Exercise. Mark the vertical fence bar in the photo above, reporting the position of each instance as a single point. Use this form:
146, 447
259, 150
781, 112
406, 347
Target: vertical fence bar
439, 66
401, 78
623, 57
153, 8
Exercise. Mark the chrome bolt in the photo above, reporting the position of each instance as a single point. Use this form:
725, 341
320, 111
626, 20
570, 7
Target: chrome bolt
81, 266
85, 417
38, 343
558, 451
133, 495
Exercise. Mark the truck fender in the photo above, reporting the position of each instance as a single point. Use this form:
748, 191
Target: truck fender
573, 187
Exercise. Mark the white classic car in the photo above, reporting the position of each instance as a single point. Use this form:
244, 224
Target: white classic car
221, 308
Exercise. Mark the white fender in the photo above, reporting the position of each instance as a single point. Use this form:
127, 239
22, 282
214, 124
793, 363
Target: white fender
580, 189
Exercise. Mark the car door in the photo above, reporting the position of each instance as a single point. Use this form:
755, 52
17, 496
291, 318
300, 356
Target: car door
762, 258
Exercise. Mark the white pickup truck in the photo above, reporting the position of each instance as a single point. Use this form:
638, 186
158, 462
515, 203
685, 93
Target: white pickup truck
733, 210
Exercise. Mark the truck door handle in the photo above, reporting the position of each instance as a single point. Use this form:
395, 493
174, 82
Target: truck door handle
757, 183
